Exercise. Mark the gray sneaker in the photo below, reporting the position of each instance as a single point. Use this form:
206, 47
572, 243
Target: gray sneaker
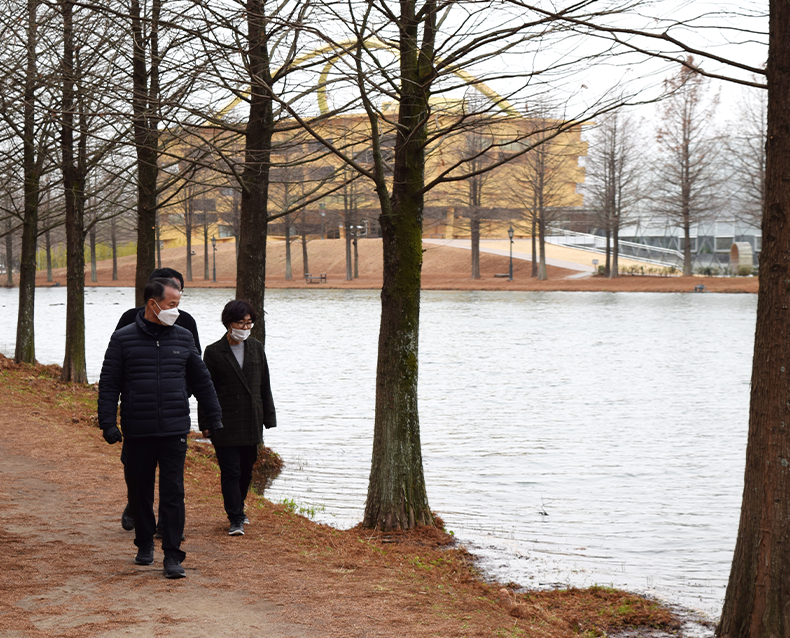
246, 520
236, 529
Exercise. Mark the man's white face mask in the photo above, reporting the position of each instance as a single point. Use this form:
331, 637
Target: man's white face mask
167, 316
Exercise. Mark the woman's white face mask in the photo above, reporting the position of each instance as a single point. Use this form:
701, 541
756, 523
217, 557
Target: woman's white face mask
237, 334
167, 316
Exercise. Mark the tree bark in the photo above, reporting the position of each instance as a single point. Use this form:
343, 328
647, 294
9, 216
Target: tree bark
305, 266
607, 269
94, 277
74, 360
475, 228
205, 246
9, 256
25, 350
347, 240
615, 272
145, 119
534, 233
253, 222
542, 274
758, 593
397, 498
48, 242
288, 268
114, 242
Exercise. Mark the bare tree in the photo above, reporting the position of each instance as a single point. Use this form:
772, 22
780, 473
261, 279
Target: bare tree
747, 155
687, 174
540, 183
614, 179
27, 124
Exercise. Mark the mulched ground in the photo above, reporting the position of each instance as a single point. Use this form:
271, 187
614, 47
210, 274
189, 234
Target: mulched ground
66, 566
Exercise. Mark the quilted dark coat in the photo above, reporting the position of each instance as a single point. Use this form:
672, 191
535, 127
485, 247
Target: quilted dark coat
149, 366
245, 394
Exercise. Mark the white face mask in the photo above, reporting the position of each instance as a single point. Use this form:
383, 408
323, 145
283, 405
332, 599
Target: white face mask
238, 334
168, 316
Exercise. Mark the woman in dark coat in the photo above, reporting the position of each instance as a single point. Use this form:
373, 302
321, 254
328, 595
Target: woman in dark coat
240, 375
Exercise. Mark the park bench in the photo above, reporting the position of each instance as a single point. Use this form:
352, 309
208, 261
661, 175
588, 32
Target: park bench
315, 279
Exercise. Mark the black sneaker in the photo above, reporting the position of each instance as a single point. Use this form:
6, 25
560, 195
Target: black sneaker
127, 522
145, 555
236, 529
246, 520
173, 568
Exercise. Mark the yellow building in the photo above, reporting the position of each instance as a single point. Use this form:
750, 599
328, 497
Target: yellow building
328, 198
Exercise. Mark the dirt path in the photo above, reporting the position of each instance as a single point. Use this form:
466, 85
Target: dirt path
66, 566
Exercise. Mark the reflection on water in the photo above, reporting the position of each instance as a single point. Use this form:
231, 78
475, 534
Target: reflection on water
571, 438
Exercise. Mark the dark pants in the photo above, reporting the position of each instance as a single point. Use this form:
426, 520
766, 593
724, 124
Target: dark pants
142, 457
235, 466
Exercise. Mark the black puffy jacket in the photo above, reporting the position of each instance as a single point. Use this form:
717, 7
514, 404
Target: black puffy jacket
149, 366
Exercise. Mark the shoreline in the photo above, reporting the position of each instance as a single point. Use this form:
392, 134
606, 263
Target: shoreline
444, 268
625, 284
70, 568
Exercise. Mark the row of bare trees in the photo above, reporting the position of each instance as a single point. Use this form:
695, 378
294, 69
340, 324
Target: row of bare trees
113, 96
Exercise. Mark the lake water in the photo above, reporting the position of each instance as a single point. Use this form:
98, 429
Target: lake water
568, 438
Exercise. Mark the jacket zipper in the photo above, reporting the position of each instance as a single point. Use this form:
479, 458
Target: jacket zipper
159, 389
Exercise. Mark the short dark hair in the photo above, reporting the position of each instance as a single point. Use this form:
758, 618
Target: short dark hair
167, 273
155, 289
236, 310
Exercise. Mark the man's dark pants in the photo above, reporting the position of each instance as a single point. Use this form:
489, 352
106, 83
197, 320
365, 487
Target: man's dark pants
235, 466
142, 457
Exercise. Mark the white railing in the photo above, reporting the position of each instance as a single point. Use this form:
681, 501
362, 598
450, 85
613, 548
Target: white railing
629, 249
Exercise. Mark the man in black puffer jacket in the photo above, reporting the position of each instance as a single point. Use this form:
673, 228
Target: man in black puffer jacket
149, 364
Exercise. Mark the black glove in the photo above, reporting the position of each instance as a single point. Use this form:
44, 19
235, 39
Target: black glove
214, 427
112, 434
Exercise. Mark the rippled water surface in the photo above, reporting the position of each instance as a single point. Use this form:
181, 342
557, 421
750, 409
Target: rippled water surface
568, 438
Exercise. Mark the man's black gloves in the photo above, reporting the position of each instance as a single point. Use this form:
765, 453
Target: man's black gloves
112, 434
214, 427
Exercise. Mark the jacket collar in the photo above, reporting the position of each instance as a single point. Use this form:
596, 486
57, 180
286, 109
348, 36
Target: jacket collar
155, 330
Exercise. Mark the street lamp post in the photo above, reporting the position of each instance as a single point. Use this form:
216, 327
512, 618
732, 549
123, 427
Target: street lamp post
322, 208
214, 246
510, 235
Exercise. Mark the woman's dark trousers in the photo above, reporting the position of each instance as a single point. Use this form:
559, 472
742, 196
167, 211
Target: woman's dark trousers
235, 465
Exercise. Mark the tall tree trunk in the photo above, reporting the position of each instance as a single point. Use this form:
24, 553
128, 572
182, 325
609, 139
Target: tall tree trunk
48, 242
9, 256
356, 255
305, 265
205, 246
607, 269
534, 272
758, 596
687, 270
25, 350
615, 272
158, 242
542, 274
475, 226
145, 108
74, 364
288, 269
397, 498
114, 242
188, 232
253, 222
347, 239
94, 277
